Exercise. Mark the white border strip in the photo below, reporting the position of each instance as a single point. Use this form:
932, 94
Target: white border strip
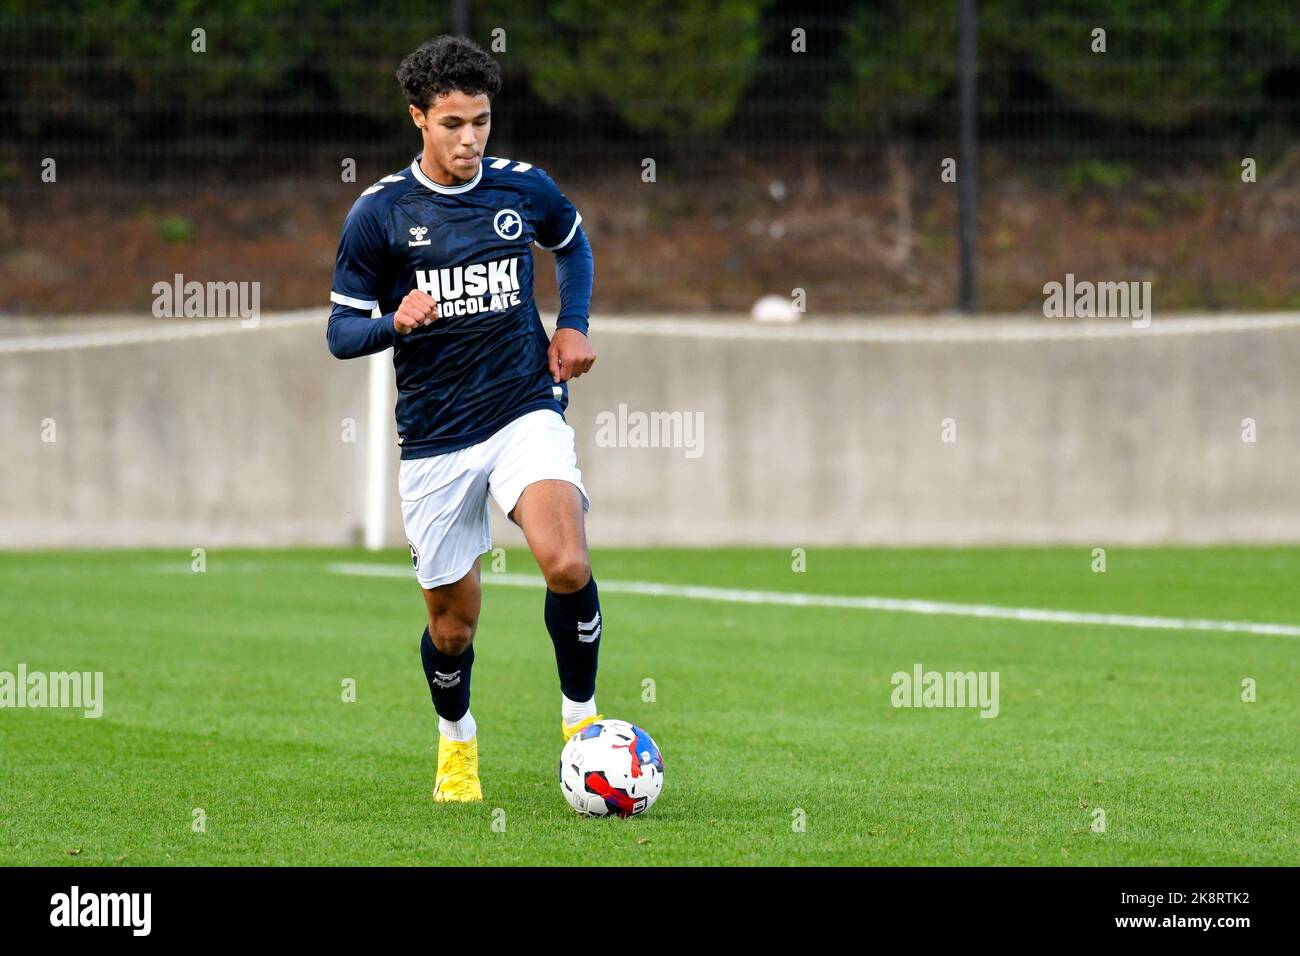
166, 331
896, 605
369, 305
939, 331
577, 219
850, 329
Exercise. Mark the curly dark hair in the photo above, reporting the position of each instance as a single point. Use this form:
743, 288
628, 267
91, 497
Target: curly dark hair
444, 64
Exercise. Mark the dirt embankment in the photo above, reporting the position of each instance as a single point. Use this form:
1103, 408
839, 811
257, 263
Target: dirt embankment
877, 240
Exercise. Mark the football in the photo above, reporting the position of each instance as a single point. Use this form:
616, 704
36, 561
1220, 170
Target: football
612, 768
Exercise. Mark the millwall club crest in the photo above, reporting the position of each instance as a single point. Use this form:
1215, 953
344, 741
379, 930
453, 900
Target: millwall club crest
415, 555
508, 224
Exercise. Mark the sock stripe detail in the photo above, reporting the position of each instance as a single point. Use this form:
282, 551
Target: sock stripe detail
590, 630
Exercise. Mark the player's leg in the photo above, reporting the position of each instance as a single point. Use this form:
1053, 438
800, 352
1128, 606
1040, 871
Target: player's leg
447, 650
444, 509
536, 481
550, 512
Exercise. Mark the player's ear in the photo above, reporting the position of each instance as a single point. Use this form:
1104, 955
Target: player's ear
417, 115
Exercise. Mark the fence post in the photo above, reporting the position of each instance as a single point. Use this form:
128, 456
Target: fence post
460, 17
968, 165
380, 430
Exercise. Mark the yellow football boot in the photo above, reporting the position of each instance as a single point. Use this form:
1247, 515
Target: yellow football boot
568, 730
457, 780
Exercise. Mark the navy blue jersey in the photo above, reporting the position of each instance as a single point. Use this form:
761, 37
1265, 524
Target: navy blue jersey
483, 361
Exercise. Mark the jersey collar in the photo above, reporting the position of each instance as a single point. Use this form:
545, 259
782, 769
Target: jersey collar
428, 183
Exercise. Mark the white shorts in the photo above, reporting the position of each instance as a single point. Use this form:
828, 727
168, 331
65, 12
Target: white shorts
444, 498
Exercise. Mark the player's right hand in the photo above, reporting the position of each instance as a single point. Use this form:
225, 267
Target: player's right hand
417, 309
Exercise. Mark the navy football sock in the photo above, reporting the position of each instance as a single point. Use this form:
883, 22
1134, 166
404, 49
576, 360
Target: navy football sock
448, 678
574, 623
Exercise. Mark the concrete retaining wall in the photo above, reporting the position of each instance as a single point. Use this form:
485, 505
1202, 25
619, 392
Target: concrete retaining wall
818, 434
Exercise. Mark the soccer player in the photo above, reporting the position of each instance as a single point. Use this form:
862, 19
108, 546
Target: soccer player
435, 262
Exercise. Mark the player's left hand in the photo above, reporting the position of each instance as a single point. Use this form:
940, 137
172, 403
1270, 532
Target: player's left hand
570, 354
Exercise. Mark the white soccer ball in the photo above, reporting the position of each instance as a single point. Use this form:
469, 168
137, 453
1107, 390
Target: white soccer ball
611, 768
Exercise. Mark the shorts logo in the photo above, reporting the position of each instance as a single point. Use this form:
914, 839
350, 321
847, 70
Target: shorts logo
446, 680
415, 555
508, 224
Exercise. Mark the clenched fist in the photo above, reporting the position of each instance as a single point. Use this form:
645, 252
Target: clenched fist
417, 309
570, 355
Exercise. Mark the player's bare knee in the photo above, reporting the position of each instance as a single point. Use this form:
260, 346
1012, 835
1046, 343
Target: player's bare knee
567, 573
453, 643
452, 634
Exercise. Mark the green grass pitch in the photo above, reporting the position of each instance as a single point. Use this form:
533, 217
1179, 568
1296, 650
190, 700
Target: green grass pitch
223, 692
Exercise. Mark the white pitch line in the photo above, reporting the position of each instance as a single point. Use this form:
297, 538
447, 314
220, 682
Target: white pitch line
897, 605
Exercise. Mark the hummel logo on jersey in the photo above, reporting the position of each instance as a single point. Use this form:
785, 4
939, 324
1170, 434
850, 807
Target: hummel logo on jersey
508, 224
468, 290
446, 680
418, 232
590, 630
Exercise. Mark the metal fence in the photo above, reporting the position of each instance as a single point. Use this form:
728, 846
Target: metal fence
143, 91
801, 143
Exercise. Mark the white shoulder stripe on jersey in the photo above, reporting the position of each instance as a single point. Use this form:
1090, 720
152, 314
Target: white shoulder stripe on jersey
577, 218
518, 167
380, 185
367, 304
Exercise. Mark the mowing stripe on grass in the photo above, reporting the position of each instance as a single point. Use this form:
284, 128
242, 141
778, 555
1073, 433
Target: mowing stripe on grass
897, 605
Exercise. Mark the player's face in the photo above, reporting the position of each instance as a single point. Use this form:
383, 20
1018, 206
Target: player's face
455, 129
